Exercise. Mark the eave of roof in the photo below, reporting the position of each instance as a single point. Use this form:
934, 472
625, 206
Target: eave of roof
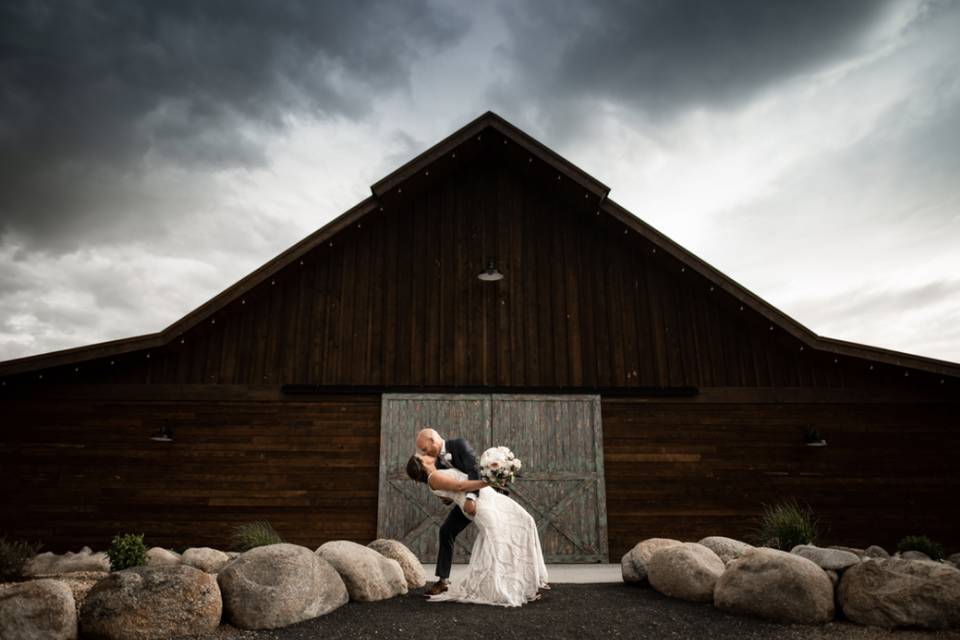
414, 167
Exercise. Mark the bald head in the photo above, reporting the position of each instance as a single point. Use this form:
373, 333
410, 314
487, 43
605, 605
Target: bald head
429, 442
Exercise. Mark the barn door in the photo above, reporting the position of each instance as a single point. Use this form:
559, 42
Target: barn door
407, 511
558, 438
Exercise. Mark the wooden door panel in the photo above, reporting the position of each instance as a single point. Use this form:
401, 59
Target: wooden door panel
559, 439
407, 510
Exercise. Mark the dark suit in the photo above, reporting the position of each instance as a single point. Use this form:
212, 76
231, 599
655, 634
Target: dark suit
463, 458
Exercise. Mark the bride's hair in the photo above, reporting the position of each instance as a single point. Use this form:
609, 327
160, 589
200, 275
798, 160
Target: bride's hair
415, 470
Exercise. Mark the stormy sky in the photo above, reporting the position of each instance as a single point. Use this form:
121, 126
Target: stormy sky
154, 153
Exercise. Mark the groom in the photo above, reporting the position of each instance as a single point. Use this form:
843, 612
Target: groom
456, 453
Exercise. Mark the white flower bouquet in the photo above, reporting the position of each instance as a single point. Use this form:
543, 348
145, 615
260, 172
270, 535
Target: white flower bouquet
498, 466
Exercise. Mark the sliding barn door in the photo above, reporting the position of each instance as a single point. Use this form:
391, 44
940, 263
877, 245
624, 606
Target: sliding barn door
560, 442
558, 438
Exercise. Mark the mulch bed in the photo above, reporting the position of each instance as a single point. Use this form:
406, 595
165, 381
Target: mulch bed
567, 611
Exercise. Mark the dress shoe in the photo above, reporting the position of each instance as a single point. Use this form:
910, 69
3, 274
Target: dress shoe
436, 588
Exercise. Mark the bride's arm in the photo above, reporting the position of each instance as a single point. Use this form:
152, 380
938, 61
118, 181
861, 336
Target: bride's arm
445, 482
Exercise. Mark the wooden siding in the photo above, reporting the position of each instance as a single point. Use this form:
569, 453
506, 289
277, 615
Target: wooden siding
686, 470
394, 300
79, 467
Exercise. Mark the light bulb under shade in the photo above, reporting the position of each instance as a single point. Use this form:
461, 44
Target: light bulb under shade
491, 274
165, 434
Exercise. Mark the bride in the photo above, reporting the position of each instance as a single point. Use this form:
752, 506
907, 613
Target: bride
506, 564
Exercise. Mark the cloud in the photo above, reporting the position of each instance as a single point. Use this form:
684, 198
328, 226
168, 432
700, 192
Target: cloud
95, 96
662, 59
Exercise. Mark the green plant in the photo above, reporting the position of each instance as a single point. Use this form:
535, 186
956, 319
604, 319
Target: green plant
14, 555
922, 544
246, 536
785, 525
127, 551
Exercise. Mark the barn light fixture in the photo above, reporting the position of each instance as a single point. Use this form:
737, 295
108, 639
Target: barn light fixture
491, 274
812, 438
165, 434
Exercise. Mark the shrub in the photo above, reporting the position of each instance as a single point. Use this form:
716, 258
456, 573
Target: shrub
921, 543
785, 525
127, 551
253, 534
14, 555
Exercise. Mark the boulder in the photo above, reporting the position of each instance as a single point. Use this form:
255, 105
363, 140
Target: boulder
38, 610
160, 557
954, 559
834, 577
50, 563
205, 559
875, 551
854, 550
152, 603
727, 548
776, 585
412, 569
688, 571
368, 575
914, 555
897, 592
633, 564
277, 585
834, 559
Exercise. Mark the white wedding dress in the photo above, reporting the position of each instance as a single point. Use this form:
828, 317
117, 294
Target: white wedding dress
506, 564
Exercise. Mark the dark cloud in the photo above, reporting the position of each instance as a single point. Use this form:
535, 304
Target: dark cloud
92, 93
664, 57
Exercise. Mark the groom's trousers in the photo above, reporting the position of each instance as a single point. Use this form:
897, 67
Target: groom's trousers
453, 525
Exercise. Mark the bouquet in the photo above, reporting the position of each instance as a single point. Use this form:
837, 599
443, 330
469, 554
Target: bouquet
498, 466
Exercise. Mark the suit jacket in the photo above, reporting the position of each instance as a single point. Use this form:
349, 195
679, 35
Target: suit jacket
464, 458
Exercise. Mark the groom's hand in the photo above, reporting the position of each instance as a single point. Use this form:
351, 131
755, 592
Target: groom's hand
470, 507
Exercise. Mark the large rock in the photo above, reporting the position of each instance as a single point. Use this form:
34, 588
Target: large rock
412, 569
914, 555
776, 585
896, 592
954, 559
854, 550
368, 575
633, 564
875, 551
37, 610
160, 557
688, 571
152, 603
833, 559
50, 563
727, 548
205, 559
278, 585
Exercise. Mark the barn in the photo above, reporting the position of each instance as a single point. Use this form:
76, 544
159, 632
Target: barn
490, 289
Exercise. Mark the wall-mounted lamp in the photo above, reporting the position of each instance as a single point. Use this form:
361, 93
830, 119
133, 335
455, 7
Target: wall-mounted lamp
165, 434
491, 274
812, 438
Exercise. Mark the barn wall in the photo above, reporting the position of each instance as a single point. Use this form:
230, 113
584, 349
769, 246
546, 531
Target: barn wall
690, 469
394, 300
79, 467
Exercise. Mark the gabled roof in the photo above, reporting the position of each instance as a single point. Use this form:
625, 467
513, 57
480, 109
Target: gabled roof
418, 169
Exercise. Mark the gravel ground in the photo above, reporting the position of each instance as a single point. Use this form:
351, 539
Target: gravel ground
567, 611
